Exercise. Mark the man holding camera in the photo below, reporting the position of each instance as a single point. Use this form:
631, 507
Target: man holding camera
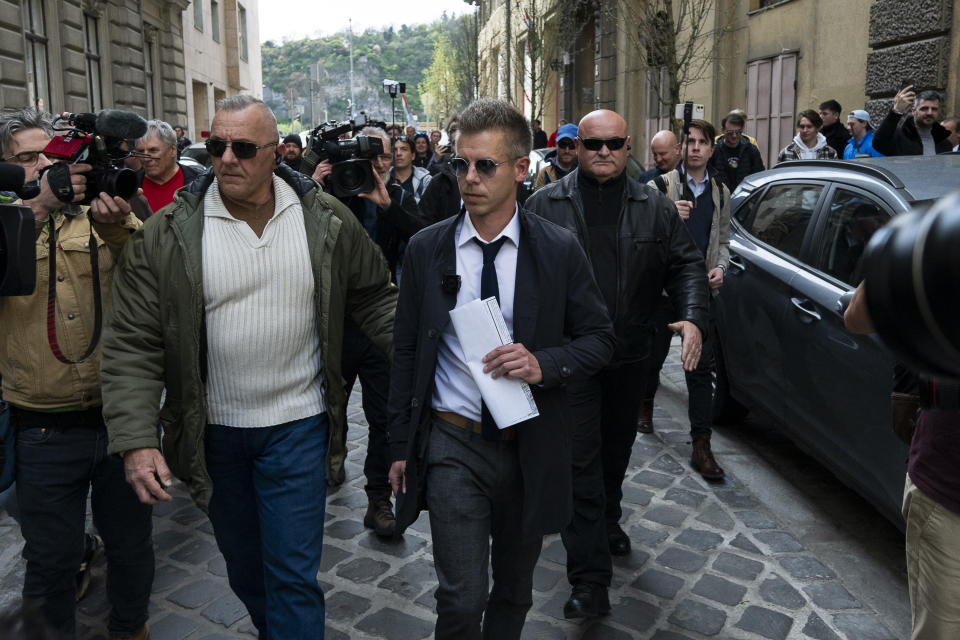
234, 300
56, 402
390, 216
916, 133
637, 247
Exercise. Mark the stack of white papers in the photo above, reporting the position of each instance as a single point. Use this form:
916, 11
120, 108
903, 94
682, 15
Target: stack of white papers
480, 329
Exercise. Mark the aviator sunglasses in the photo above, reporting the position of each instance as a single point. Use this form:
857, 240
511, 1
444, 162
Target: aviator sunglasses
242, 149
484, 166
595, 144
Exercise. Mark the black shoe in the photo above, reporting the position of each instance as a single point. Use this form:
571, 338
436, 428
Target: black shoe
588, 600
618, 540
379, 516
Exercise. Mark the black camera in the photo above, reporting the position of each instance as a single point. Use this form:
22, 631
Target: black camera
97, 139
352, 172
18, 273
912, 275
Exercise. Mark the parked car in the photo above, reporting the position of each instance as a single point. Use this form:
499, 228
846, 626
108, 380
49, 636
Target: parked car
797, 234
539, 157
197, 152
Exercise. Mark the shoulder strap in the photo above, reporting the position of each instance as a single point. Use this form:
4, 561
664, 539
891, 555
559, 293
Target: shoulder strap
661, 184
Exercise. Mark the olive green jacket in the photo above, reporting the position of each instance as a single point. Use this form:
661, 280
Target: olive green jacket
155, 336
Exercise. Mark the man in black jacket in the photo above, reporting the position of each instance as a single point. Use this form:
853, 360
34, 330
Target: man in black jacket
734, 157
390, 217
511, 484
833, 130
916, 134
637, 246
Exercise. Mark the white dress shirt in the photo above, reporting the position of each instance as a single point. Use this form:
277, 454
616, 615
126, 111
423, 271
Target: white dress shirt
455, 390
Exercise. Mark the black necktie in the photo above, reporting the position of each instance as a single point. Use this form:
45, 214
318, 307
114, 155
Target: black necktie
489, 288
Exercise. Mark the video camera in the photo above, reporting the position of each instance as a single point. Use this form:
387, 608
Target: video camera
912, 274
96, 139
352, 172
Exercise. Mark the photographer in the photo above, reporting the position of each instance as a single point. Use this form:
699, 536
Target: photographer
390, 216
56, 403
931, 497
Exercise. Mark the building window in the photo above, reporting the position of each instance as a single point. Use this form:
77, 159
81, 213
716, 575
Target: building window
215, 20
92, 52
243, 32
38, 74
149, 53
198, 14
658, 107
771, 100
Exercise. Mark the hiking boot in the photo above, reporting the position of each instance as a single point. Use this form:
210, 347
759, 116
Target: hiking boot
702, 460
379, 516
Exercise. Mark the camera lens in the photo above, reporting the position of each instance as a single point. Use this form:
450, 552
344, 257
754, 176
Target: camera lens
911, 270
121, 182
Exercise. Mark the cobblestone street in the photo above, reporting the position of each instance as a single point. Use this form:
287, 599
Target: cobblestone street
708, 561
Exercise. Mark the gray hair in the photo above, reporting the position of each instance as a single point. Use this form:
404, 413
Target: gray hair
243, 101
375, 131
929, 94
162, 130
485, 114
16, 120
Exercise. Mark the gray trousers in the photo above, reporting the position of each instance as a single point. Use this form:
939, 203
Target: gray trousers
475, 493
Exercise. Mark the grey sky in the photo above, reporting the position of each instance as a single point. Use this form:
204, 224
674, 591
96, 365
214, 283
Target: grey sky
294, 19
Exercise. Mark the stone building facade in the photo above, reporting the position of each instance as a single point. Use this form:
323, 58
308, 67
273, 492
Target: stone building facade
772, 58
84, 55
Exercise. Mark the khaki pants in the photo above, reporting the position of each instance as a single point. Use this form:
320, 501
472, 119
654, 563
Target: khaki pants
933, 565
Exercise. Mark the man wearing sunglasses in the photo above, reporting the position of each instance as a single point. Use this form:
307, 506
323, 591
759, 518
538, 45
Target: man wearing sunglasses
565, 159
476, 480
234, 300
637, 247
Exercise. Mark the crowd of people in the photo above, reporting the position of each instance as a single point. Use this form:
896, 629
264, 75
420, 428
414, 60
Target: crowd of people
245, 301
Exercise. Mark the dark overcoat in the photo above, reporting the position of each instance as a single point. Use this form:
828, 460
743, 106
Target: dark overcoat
559, 316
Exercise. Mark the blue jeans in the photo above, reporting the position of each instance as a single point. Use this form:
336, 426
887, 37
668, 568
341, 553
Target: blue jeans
267, 510
56, 467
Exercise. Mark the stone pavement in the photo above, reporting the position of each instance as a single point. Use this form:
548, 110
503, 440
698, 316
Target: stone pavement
709, 561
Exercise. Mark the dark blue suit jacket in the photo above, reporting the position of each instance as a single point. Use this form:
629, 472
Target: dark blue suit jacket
559, 316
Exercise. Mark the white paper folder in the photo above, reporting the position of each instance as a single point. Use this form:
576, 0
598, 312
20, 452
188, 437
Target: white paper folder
480, 329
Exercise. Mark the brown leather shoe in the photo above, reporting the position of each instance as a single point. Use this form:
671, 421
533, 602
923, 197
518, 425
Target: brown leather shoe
143, 634
645, 419
379, 516
702, 460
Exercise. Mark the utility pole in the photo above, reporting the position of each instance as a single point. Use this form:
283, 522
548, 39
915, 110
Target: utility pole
353, 107
506, 4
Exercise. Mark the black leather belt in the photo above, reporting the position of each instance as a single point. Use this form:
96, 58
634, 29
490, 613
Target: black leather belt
91, 418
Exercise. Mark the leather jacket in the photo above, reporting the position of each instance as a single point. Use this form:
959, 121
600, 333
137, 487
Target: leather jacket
655, 253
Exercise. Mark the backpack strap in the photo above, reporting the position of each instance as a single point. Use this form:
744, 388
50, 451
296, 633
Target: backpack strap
661, 184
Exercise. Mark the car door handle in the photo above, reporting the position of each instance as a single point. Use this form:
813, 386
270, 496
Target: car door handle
737, 263
806, 307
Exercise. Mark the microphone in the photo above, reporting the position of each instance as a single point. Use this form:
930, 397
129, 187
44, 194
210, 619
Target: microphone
110, 123
11, 177
120, 124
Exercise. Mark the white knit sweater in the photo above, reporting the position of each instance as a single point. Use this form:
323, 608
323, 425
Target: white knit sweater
264, 365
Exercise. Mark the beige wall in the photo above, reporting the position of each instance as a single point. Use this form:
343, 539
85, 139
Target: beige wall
217, 64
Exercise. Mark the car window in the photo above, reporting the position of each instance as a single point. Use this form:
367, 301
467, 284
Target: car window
851, 220
781, 217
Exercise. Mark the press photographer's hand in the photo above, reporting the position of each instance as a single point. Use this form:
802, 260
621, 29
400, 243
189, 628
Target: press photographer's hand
47, 201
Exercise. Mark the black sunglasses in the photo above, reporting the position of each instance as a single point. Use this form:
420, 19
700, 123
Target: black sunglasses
484, 166
595, 144
566, 143
241, 148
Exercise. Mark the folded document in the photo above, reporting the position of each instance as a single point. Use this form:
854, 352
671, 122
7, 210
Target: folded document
480, 329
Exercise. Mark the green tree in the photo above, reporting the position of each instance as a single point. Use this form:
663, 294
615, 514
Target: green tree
439, 87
